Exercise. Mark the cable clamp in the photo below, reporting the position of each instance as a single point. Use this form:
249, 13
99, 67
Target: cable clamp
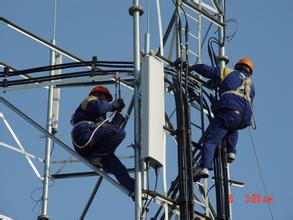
5, 74
134, 9
94, 66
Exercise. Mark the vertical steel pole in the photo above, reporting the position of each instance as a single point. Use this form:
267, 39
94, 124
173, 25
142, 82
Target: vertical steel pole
136, 11
222, 188
147, 35
227, 190
160, 28
221, 36
44, 214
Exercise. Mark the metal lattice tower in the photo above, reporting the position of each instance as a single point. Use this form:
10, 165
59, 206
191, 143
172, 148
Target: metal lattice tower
183, 40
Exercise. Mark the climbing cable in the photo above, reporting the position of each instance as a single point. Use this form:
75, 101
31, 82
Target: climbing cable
260, 172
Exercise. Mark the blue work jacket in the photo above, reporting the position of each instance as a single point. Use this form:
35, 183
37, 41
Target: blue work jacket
229, 80
92, 111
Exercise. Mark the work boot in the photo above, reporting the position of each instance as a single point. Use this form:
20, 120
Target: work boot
231, 157
200, 173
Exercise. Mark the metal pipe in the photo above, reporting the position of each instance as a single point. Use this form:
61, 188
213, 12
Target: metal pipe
160, 28
229, 191
135, 12
147, 34
46, 179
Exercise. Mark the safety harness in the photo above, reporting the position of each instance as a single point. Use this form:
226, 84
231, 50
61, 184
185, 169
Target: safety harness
83, 106
98, 125
243, 90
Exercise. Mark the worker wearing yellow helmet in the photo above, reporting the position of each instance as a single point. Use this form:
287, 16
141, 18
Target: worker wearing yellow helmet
233, 110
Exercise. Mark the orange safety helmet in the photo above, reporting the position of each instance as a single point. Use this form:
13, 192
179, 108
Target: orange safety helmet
102, 89
247, 62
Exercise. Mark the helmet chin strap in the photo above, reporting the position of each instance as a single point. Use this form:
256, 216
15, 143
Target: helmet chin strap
243, 68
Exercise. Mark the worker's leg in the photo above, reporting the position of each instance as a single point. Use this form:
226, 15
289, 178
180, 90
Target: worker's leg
106, 140
105, 143
227, 121
213, 136
112, 164
231, 141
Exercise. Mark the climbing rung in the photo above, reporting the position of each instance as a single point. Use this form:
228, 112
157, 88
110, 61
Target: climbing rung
190, 51
191, 34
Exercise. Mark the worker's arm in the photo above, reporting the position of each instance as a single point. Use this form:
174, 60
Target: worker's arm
99, 107
206, 71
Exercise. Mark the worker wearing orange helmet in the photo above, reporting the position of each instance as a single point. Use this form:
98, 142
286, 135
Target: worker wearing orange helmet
233, 110
95, 138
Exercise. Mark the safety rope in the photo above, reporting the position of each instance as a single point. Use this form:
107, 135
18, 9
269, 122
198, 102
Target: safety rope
260, 173
90, 139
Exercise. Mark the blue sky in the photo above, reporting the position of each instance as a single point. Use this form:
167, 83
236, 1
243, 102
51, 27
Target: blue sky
104, 29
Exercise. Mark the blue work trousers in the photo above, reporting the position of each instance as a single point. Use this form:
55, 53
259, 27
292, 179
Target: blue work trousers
226, 124
103, 144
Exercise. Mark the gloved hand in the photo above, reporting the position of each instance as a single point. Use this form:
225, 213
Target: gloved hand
118, 104
117, 119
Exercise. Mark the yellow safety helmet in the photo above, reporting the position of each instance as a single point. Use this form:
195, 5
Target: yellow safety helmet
247, 62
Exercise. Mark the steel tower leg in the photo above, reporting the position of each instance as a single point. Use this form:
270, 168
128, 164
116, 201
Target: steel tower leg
135, 11
219, 184
225, 180
44, 214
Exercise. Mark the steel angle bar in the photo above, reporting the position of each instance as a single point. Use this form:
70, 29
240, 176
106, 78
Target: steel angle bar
25, 153
197, 106
20, 145
92, 196
203, 205
160, 201
201, 188
69, 160
43, 42
39, 40
190, 16
63, 145
206, 6
80, 174
190, 34
204, 13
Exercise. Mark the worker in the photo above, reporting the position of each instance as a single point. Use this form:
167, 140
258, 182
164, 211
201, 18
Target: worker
233, 110
95, 138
